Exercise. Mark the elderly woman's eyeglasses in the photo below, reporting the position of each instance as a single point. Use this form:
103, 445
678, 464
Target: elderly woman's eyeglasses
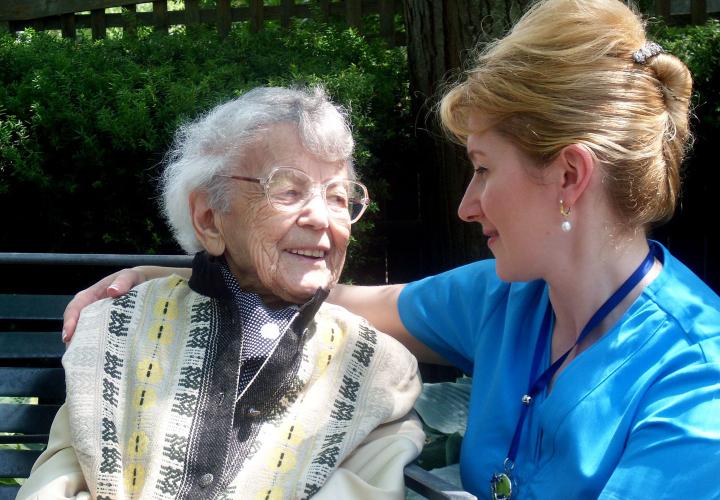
289, 189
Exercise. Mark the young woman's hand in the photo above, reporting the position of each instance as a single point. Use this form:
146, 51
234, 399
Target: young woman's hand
116, 284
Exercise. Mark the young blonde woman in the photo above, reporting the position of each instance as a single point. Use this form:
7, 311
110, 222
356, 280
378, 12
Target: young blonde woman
595, 354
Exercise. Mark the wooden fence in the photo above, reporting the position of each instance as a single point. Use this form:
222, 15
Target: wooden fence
687, 11
68, 16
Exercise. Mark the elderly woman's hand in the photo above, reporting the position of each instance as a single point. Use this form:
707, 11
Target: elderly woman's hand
116, 284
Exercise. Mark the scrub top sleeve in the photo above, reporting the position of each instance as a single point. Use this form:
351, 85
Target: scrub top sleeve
673, 450
447, 311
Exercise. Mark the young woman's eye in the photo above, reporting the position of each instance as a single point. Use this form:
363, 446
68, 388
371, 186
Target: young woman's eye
480, 170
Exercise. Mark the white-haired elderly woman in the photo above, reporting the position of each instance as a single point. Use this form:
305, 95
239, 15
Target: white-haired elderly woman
241, 382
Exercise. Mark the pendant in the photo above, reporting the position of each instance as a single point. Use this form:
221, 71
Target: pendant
500, 487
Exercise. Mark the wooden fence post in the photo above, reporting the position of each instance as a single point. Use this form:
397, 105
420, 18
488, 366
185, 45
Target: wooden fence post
256, 15
192, 13
286, 12
387, 21
97, 23
662, 9
160, 15
223, 17
353, 13
130, 21
698, 11
67, 25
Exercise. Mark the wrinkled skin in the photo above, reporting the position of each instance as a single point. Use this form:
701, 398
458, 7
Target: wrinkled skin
264, 246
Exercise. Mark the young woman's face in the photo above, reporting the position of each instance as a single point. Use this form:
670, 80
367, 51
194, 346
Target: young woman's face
508, 197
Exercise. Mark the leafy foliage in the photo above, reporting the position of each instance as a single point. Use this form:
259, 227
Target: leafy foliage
443, 408
84, 124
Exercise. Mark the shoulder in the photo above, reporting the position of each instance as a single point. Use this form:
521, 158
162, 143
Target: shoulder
358, 328
671, 340
476, 274
687, 307
121, 317
465, 297
388, 357
470, 280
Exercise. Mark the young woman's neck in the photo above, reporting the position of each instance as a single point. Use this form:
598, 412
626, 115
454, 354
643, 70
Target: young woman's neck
593, 269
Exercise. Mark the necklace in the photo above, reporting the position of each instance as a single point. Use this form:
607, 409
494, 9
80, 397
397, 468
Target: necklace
501, 484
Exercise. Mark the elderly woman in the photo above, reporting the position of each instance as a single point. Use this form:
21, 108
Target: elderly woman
242, 382
595, 352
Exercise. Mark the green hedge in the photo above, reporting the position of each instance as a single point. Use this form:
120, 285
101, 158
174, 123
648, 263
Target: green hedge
84, 124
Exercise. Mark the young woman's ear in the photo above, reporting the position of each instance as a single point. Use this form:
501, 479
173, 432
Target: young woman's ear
206, 223
575, 164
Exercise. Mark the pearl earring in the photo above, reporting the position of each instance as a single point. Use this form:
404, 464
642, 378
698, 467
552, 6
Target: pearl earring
566, 226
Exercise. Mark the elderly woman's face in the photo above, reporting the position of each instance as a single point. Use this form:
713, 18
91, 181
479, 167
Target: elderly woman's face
288, 254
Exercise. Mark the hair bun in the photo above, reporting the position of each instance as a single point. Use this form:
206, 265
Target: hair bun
675, 79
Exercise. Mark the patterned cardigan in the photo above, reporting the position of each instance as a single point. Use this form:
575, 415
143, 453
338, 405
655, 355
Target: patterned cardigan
153, 410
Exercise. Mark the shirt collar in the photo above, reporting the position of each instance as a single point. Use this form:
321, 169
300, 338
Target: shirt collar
207, 279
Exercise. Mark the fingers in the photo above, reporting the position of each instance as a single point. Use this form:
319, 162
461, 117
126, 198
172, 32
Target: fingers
76, 305
123, 282
111, 286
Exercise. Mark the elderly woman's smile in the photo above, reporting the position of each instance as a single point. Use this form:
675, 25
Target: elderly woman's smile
287, 254
314, 254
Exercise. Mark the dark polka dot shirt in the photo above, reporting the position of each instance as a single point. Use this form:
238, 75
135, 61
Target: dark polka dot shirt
261, 327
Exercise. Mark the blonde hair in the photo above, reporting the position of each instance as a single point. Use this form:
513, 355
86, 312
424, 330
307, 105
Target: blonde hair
565, 75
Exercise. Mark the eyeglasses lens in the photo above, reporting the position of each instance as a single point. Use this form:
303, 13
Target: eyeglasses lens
289, 189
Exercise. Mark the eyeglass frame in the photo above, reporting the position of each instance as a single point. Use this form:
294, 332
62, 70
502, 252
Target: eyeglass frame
263, 181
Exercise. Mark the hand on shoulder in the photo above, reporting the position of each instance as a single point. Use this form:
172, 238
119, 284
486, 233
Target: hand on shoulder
115, 285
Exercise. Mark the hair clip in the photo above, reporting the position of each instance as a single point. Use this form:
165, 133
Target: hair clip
650, 49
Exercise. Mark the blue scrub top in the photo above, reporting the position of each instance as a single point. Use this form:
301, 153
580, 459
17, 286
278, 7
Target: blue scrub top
636, 415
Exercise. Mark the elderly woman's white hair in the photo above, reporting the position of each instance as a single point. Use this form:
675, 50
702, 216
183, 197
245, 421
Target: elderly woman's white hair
218, 140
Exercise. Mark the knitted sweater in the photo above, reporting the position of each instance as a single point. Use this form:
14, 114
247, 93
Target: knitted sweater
153, 409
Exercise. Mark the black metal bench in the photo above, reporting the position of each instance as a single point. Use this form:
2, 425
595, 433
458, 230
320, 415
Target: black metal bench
30, 369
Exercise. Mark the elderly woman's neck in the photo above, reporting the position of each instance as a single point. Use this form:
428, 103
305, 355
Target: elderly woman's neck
269, 298
272, 299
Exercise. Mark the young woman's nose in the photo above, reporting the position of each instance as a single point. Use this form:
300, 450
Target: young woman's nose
470, 209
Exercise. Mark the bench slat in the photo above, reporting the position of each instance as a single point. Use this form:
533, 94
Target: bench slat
33, 307
17, 463
94, 259
24, 439
45, 383
31, 345
27, 419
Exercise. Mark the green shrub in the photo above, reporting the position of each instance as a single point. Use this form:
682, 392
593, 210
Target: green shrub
84, 124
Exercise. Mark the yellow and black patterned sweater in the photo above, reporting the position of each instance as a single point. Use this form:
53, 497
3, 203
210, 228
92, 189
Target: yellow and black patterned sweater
153, 409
